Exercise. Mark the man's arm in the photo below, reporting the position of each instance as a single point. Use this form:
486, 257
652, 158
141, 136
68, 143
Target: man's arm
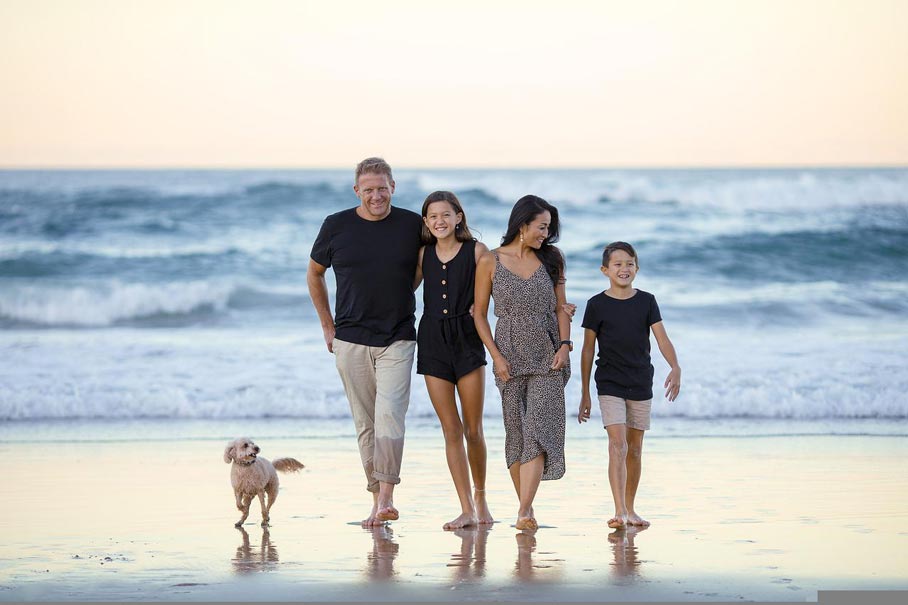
318, 292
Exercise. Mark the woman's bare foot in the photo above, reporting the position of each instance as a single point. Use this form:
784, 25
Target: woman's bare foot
483, 516
464, 520
527, 523
617, 522
636, 520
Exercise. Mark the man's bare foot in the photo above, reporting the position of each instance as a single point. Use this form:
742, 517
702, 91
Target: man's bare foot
636, 520
483, 516
372, 520
617, 522
464, 520
526, 523
387, 513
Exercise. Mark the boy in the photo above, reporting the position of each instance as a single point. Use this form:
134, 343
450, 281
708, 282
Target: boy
620, 319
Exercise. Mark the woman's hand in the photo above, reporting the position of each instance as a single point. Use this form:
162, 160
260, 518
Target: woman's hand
562, 357
570, 309
501, 368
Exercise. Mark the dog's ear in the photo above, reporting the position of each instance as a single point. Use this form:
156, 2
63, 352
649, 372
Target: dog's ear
228, 453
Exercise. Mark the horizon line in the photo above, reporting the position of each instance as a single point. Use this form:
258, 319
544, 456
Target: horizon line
397, 167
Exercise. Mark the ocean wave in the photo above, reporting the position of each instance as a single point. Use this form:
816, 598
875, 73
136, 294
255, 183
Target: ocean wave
730, 190
876, 240
117, 303
279, 238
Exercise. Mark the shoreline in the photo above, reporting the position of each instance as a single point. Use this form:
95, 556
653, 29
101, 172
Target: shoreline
734, 518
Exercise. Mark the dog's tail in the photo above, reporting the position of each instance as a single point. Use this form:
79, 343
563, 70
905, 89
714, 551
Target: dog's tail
287, 465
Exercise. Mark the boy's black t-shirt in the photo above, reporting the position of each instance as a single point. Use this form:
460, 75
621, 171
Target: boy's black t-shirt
374, 266
623, 368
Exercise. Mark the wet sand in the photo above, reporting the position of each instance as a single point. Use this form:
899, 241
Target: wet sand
92, 513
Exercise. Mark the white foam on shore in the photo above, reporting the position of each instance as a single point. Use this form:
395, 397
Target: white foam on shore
279, 371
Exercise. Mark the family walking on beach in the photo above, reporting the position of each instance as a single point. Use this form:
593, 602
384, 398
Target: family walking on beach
380, 254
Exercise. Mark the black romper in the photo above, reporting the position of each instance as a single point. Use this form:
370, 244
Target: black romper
448, 346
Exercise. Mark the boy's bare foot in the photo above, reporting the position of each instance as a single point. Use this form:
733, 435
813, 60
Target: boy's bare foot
483, 516
464, 520
387, 512
617, 522
636, 520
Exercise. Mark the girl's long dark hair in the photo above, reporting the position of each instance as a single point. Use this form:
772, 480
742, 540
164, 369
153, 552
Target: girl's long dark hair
524, 211
461, 233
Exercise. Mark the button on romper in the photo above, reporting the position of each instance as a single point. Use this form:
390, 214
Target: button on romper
448, 346
532, 400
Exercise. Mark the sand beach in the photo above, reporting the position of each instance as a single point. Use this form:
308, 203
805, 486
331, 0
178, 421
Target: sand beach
104, 510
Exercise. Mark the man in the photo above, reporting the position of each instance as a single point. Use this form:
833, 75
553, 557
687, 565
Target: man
373, 249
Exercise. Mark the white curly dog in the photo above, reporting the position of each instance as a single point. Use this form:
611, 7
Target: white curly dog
253, 476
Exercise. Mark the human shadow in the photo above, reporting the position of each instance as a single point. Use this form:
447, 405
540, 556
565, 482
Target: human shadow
380, 561
470, 562
627, 560
251, 559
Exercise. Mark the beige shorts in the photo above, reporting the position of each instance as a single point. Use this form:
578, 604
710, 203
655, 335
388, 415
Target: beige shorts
634, 414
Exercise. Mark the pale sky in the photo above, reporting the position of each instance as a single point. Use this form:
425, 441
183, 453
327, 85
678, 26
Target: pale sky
280, 83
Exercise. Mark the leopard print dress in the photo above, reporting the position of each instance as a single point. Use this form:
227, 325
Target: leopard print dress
532, 401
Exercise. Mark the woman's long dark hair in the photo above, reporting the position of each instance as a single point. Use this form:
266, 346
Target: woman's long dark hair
461, 232
523, 213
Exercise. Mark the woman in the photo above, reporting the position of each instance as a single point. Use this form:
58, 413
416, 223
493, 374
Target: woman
531, 347
449, 351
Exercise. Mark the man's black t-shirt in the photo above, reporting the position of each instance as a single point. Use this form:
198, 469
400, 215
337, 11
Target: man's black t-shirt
623, 368
374, 266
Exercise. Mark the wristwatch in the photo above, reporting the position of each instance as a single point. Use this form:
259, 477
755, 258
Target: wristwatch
569, 343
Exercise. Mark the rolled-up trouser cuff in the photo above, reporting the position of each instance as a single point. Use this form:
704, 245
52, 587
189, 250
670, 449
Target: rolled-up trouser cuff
386, 478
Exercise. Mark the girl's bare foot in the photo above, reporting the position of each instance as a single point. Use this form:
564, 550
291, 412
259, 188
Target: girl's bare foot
636, 520
483, 516
464, 520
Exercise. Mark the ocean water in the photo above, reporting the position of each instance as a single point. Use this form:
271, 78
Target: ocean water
182, 294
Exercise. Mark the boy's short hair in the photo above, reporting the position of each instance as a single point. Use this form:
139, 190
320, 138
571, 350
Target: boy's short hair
614, 247
374, 166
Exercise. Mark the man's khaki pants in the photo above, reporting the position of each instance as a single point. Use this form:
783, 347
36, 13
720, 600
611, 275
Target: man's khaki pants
377, 383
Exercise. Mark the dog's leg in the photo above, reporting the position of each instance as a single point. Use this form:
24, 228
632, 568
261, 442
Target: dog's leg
244, 507
265, 517
271, 488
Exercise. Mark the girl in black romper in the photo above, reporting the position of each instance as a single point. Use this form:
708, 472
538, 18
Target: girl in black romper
449, 352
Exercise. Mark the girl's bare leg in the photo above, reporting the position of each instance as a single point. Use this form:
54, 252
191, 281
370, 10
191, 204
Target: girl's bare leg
471, 389
441, 392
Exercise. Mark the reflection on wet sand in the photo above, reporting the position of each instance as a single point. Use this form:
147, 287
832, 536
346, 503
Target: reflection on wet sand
380, 562
627, 561
470, 562
526, 546
249, 559
533, 564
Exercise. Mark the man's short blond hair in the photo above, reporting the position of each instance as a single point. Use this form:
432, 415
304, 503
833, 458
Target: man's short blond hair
374, 166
